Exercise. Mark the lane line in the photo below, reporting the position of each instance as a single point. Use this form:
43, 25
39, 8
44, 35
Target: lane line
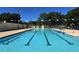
48, 44
62, 38
15, 37
8, 40
28, 43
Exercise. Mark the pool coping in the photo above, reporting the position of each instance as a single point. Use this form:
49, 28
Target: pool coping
15, 33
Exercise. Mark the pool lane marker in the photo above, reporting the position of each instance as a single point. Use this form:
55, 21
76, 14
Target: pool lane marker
6, 43
8, 40
15, 37
28, 43
48, 44
63, 38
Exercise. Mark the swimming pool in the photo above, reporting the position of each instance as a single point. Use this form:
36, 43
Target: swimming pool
39, 40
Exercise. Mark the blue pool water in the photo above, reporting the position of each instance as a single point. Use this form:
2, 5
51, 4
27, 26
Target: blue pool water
39, 40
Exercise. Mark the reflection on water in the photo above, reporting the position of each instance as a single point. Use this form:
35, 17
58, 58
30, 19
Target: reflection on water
42, 28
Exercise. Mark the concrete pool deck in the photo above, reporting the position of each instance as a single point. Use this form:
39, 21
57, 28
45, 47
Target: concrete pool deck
67, 31
6, 33
70, 31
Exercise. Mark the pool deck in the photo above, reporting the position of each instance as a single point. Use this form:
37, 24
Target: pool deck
70, 32
6, 33
67, 31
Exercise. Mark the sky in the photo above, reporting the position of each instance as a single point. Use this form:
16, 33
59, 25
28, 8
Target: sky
32, 13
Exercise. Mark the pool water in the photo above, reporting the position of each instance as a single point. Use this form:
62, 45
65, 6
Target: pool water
39, 40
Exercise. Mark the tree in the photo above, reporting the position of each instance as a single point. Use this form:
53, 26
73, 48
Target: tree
51, 18
42, 19
73, 13
5, 16
15, 17
10, 17
73, 17
55, 17
43, 16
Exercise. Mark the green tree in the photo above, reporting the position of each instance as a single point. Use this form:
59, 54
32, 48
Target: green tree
52, 18
73, 17
15, 17
10, 17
